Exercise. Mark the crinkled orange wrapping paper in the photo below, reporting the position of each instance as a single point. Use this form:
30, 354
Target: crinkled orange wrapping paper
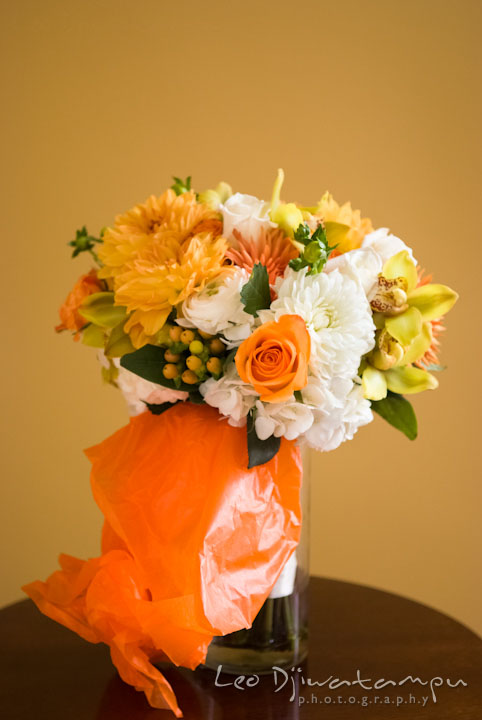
192, 545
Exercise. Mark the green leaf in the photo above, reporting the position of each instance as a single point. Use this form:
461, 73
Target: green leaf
148, 362
260, 451
397, 411
195, 397
158, 409
256, 295
302, 234
181, 186
99, 309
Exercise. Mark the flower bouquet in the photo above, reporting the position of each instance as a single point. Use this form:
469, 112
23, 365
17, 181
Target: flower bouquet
239, 331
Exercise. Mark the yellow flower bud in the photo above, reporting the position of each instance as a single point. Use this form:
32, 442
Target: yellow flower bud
196, 347
187, 336
216, 346
194, 363
175, 333
170, 371
189, 377
214, 365
171, 357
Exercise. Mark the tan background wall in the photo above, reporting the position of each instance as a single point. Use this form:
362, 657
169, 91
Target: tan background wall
379, 101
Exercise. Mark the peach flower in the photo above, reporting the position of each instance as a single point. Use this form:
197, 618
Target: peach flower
69, 312
274, 359
271, 248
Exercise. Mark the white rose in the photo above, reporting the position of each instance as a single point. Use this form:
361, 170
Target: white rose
218, 309
246, 214
385, 244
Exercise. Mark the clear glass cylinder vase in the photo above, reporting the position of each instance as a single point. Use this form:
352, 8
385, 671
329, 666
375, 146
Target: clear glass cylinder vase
279, 633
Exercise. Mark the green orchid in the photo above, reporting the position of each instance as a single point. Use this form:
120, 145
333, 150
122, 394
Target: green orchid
403, 315
287, 215
215, 198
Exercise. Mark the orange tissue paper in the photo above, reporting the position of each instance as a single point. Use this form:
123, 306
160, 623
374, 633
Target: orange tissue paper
193, 542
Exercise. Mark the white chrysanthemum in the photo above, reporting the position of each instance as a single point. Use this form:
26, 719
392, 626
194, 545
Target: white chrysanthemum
137, 391
230, 395
246, 214
335, 422
218, 309
337, 315
288, 419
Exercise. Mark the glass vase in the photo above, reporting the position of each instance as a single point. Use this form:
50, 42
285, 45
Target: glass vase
279, 633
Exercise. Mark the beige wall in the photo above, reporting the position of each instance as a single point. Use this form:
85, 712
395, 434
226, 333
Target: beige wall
379, 101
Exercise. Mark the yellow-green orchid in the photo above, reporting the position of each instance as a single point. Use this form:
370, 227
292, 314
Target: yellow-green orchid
403, 315
287, 215
215, 198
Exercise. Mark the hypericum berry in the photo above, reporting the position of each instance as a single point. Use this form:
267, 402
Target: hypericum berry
205, 335
187, 336
193, 362
170, 371
189, 377
196, 347
214, 365
216, 346
175, 333
171, 357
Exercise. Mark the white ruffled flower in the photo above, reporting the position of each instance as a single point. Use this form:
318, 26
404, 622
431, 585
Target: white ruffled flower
337, 315
218, 309
385, 244
230, 395
334, 424
366, 262
288, 419
137, 391
246, 214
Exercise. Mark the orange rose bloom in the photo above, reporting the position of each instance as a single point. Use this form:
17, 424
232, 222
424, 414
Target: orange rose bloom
274, 359
69, 312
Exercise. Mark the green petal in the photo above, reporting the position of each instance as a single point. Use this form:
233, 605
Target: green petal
93, 336
405, 327
409, 380
374, 383
99, 309
433, 300
401, 265
119, 343
336, 232
419, 346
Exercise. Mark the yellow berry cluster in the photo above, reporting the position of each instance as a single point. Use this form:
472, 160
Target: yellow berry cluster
191, 355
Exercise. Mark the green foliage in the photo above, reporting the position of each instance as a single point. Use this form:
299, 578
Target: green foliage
256, 295
181, 186
83, 242
316, 249
158, 409
100, 310
148, 362
397, 411
260, 451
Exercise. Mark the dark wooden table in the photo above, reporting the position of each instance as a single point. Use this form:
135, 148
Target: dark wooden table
48, 673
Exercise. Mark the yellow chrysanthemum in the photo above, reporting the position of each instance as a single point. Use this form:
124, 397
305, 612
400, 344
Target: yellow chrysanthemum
159, 253
356, 227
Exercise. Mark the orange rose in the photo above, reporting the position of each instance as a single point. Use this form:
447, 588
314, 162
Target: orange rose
69, 312
274, 359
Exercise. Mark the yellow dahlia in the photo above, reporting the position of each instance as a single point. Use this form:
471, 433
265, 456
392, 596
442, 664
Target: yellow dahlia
356, 227
158, 254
